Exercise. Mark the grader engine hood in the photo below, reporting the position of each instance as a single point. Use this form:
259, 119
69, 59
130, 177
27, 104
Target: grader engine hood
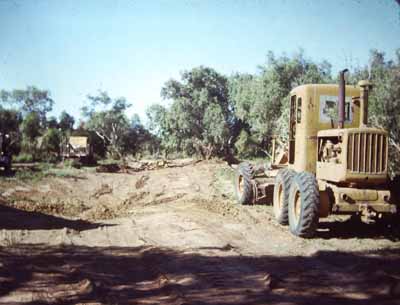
355, 155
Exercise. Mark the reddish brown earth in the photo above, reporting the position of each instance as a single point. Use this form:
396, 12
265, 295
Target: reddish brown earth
174, 235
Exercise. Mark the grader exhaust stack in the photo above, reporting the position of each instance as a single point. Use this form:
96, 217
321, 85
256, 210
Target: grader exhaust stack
342, 98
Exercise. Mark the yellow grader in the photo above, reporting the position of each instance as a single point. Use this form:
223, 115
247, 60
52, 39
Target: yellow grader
77, 147
327, 169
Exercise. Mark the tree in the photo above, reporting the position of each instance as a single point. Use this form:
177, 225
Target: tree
9, 120
51, 142
106, 117
31, 126
67, 121
260, 100
29, 100
245, 145
30, 132
138, 139
52, 122
198, 121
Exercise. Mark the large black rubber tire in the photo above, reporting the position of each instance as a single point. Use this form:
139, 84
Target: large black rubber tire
243, 183
304, 205
283, 181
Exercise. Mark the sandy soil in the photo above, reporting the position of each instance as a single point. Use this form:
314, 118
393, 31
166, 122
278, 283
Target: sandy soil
176, 236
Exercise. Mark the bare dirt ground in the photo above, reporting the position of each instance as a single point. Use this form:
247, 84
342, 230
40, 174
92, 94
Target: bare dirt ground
175, 236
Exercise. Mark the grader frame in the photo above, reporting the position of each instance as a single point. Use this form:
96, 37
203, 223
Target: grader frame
327, 169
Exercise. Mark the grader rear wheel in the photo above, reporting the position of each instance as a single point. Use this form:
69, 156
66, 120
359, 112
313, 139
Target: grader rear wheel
243, 183
304, 205
283, 182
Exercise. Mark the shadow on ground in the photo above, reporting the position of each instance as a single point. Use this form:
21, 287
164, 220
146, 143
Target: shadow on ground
354, 228
15, 219
39, 274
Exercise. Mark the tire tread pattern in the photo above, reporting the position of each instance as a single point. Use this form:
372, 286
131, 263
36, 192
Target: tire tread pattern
309, 214
247, 172
284, 176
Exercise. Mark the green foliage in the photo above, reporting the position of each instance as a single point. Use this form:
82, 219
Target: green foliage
29, 100
107, 119
31, 126
29, 175
51, 142
282, 127
72, 163
29, 122
10, 120
159, 124
67, 121
52, 122
207, 115
43, 170
137, 139
23, 158
199, 118
245, 146
260, 100
66, 172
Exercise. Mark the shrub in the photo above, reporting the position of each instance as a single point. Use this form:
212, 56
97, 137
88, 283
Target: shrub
23, 158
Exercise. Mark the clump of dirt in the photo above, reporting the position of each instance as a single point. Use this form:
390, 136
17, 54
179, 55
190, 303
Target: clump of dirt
141, 182
158, 164
166, 199
102, 212
139, 166
70, 207
135, 198
130, 205
103, 190
216, 205
148, 165
226, 208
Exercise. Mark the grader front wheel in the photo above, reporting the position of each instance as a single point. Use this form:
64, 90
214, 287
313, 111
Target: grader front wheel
283, 182
243, 183
304, 205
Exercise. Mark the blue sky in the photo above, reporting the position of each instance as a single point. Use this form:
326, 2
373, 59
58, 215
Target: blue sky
130, 48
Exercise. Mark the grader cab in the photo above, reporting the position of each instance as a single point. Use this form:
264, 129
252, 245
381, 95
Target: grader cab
336, 164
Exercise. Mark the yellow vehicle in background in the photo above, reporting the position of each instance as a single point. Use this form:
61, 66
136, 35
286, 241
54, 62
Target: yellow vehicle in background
77, 147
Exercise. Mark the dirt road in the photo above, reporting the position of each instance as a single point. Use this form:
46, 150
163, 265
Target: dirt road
175, 236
